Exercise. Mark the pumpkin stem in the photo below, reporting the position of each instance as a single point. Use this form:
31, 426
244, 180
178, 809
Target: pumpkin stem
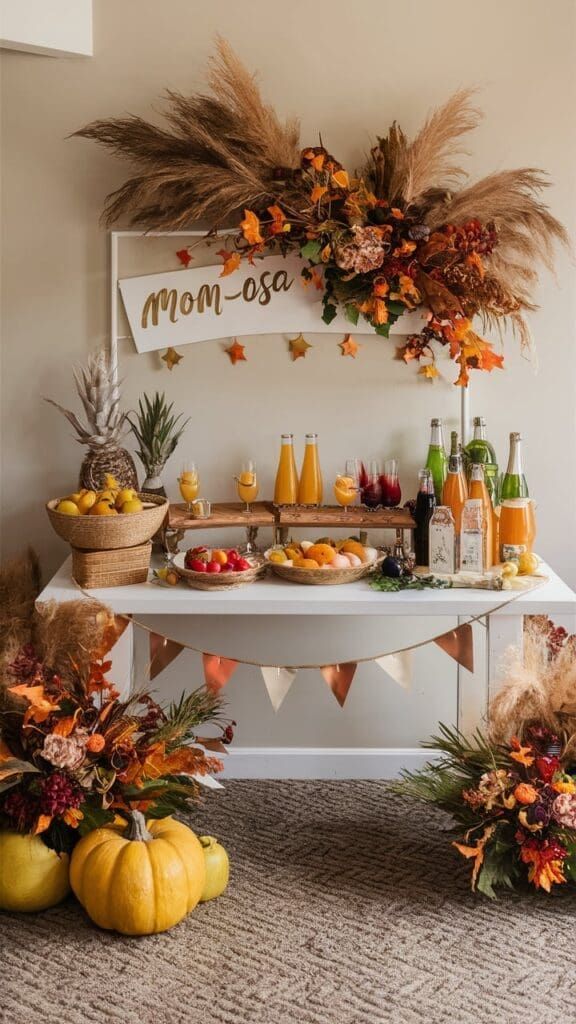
137, 830
207, 841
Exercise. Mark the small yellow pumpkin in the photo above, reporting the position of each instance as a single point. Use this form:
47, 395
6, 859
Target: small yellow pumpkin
139, 878
217, 868
32, 877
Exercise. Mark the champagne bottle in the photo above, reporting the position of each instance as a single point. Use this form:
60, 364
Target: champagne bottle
425, 505
455, 490
514, 482
437, 461
477, 489
479, 450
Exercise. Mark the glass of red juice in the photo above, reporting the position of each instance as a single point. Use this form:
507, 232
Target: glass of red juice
372, 490
391, 492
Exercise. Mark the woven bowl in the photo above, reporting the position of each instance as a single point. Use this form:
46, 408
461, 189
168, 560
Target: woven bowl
106, 533
322, 577
218, 581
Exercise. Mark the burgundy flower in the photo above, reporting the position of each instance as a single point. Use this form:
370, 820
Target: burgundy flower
59, 792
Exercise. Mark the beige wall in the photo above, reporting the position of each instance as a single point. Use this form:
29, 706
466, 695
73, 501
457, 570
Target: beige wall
348, 70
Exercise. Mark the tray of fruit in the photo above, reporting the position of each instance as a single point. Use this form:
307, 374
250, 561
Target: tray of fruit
116, 517
323, 563
217, 568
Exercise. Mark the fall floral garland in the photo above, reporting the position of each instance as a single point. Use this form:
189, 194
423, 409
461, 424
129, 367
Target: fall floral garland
401, 234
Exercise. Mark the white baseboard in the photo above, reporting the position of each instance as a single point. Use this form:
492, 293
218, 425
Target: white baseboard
321, 762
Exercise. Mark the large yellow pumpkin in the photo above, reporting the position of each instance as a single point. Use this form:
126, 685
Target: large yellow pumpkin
139, 878
32, 877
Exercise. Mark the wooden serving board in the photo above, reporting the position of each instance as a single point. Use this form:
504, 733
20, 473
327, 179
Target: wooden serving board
227, 513
332, 515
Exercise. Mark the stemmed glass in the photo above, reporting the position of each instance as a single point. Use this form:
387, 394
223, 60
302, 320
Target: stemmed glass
372, 492
247, 484
391, 493
346, 485
189, 483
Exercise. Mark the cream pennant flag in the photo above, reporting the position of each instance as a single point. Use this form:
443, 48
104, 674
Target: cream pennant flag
399, 667
459, 644
162, 652
217, 670
278, 681
339, 679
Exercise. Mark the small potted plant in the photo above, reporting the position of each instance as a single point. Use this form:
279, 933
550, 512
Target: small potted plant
157, 430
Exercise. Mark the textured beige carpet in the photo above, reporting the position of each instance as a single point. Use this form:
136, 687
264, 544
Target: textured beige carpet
346, 906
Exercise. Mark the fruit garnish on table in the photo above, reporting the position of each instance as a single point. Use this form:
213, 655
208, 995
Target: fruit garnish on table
323, 554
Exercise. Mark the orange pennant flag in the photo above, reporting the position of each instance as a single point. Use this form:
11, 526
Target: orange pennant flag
459, 644
162, 652
339, 679
217, 671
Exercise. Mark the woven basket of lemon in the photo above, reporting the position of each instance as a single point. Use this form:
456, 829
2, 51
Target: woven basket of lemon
324, 562
116, 517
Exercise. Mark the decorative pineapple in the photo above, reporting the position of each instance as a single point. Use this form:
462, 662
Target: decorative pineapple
157, 431
99, 391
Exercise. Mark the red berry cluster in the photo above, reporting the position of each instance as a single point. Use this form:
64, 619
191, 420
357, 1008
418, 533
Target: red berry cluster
20, 808
472, 236
228, 734
58, 793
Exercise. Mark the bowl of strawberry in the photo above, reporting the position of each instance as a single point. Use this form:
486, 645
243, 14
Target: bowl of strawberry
216, 568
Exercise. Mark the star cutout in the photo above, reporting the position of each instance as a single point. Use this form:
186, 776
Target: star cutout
184, 257
236, 352
171, 357
299, 347
349, 346
429, 371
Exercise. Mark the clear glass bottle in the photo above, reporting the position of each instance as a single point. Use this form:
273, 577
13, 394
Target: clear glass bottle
286, 485
514, 482
425, 505
477, 488
310, 488
442, 541
437, 461
479, 450
473, 536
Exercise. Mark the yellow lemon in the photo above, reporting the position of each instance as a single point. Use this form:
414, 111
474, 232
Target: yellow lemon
111, 483
126, 494
292, 553
509, 569
67, 508
76, 496
107, 496
528, 563
277, 556
102, 508
85, 501
131, 506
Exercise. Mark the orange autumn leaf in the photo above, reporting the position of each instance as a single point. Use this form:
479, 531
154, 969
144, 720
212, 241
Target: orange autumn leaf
44, 822
380, 314
314, 278
476, 852
64, 726
429, 371
318, 161
397, 213
279, 224
381, 289
317, 192
40, 705
231, 260
251, 228
341, 179
523, 755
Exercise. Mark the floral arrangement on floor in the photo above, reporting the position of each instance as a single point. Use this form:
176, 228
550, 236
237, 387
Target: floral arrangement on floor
402, 233
512, 794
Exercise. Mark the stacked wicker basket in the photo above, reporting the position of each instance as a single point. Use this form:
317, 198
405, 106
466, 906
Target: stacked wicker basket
111, 551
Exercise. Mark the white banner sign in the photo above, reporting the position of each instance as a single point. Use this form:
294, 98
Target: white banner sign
180, 307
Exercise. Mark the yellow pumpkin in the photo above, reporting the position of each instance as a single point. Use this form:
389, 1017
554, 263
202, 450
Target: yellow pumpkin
139, 878
32, 877
217, 868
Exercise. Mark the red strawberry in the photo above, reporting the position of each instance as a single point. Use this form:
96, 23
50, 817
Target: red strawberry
213, 567
195, 565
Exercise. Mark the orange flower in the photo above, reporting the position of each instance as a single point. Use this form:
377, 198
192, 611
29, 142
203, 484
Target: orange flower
251, 228
477, 852
406, 249
521, 754
279, 223
381, 289
380, 314
430, 371
40, 705
95, 743
397, 213
525, 794
72, 816
545, 869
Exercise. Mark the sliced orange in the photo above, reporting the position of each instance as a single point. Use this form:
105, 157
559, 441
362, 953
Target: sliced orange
323, 554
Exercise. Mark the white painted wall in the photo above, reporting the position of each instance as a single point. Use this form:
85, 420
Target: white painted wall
348, 71
49, 27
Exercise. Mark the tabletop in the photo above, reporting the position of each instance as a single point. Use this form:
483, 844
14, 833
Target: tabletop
273, 596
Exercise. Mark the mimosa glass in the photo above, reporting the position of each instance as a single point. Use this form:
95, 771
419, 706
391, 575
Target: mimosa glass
247, 484
345, 488
189, 483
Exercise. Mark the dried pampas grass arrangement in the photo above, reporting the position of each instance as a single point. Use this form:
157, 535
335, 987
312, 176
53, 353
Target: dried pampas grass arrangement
19, 587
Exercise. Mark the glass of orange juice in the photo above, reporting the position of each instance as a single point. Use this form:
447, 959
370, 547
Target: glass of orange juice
189, 483
346, 486
247, 484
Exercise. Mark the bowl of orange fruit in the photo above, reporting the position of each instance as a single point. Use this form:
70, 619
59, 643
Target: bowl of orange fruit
114, 517
324, 562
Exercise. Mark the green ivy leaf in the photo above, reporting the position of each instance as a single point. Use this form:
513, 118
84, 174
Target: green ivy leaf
395, 307
330, 311
382, 329
311, 251
352, 313
94, 817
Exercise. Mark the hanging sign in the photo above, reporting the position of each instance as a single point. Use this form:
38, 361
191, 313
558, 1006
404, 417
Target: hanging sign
180, 307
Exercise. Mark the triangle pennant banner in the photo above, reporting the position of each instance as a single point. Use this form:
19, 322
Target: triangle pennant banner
459, 644
217, 671
278, 681
398, 667
211, 743
339, 679
162, 652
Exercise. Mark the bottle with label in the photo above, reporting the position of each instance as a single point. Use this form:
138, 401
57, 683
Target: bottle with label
455, 490
437, 461
477, 488
514, 482
442, 541
310, 488
479, 450
517, 528
425, 505
472, 536
286, 486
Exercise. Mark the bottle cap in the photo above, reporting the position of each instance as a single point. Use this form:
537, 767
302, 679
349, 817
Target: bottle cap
435, 423
515, 437
479, 421
311, 437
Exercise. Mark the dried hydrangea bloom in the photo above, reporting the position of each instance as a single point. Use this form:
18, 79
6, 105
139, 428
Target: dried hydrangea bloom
365, 252
564, 810
65, 751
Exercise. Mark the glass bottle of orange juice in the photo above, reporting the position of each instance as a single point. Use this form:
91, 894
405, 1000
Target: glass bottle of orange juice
517, 528
455, 489
477, 489
310, 488
286, 486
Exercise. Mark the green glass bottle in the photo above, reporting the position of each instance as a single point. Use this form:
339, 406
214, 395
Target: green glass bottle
514, 482
437, 461
479, 450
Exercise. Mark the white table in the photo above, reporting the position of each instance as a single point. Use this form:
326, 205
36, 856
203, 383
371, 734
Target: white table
198, 617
